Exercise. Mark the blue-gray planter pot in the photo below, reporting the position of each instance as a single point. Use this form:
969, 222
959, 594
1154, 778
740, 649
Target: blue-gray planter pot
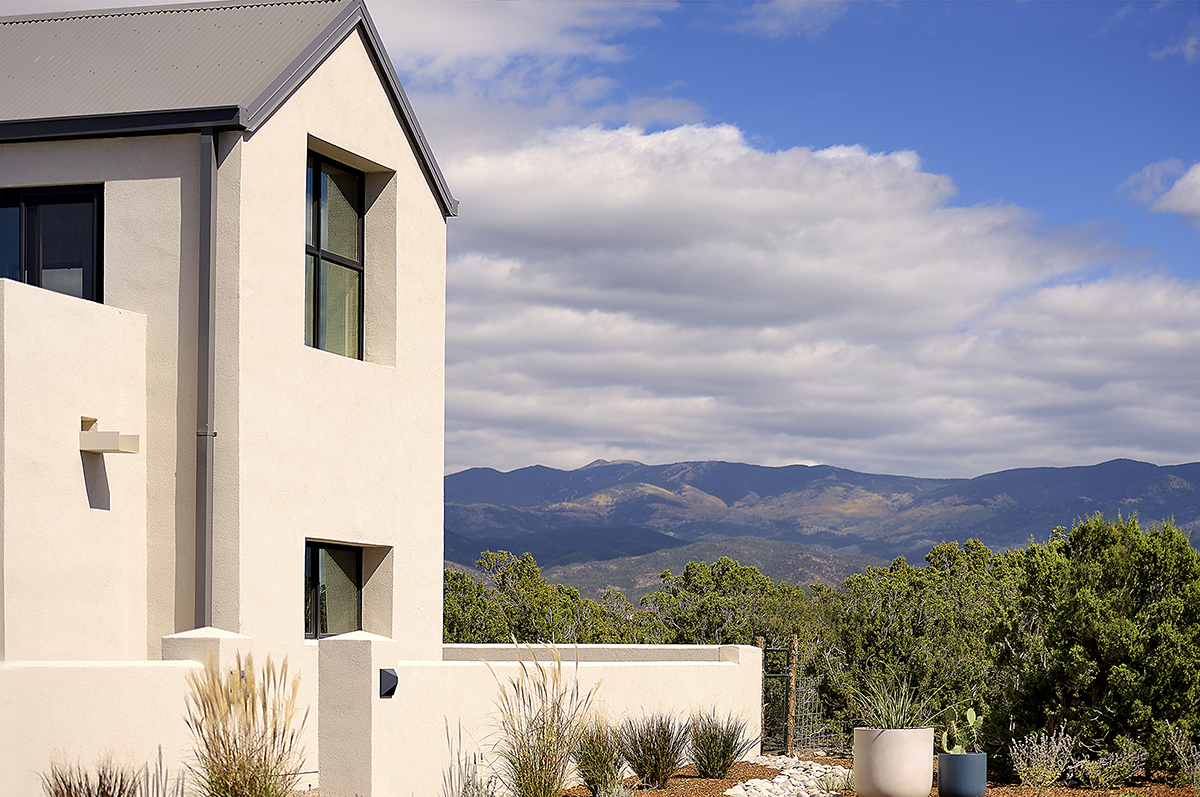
963, 775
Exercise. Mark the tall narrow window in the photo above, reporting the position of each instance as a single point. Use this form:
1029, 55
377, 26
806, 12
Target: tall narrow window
50, 237
332, 589
333, 269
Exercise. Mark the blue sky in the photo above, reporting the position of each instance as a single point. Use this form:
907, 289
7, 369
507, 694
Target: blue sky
1049, 105
933, 239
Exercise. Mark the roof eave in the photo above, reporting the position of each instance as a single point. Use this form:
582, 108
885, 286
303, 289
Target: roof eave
132, 123
355, 16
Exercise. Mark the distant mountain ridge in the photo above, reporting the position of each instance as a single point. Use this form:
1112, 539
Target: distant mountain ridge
605, 511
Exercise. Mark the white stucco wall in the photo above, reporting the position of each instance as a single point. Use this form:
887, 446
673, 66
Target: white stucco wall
634, 680
73, 524
151, 213
79, 712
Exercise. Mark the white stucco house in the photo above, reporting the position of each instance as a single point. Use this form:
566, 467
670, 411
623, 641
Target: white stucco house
222, 316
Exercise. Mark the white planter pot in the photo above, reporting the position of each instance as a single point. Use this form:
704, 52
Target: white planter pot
893, 763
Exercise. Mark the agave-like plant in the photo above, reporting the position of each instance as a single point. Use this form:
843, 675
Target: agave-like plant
717, 743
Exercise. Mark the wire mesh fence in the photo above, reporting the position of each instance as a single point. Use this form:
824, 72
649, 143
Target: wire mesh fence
789, 695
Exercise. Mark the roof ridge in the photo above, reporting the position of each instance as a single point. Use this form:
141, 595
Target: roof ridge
148, 10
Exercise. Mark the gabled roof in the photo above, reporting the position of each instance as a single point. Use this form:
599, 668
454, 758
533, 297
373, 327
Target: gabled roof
150, 69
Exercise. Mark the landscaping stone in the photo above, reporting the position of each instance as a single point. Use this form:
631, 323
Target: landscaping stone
798, 779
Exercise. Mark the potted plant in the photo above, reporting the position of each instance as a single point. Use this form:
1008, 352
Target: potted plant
962, 772
893, 750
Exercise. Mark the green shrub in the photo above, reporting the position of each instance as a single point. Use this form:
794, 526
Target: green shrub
540, 718
245, 728
717, 743
598, 755
654, 747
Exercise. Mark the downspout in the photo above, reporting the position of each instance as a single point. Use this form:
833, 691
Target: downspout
205, 377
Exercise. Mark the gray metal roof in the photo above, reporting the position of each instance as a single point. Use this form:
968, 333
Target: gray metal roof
180, 67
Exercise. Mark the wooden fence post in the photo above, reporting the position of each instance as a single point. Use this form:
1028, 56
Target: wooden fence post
790, 733
761, 644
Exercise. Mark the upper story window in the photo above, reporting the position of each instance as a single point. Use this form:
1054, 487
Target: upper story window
333, 270
50, 237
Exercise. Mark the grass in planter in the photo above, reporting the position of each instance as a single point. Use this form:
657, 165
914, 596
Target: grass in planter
717, 743
894, 704
598, 756
540, 718
654, 747
246, 731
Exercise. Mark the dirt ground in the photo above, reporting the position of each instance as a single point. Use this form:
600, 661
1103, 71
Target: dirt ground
686, 784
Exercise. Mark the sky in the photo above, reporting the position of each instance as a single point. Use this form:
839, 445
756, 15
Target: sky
921, 238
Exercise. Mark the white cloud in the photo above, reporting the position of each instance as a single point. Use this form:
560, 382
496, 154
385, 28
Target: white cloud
1183, 197
1186, 45
1151, 182
681, 295
779, 18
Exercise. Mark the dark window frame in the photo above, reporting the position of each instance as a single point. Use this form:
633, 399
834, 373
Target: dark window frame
313, 290
312, 553
29, 265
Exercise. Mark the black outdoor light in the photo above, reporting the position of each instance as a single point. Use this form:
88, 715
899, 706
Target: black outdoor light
387, 682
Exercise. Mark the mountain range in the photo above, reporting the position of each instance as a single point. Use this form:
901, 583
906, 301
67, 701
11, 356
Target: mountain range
612, 523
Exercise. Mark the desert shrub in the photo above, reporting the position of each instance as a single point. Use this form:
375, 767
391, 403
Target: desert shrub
1114, 769
540, 715
108, 780
717, 743
598, 755
462, 778
1185, 756
247, 737
654, 747
1040, 759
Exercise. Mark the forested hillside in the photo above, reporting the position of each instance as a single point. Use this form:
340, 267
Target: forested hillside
1096, 629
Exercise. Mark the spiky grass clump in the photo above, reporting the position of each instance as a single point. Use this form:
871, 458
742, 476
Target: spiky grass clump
717, 743
598, 755
894, 704
245, 728
654, 747
540, 715
72, 780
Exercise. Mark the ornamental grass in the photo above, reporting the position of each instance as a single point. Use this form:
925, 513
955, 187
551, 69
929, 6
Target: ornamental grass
246, 726
541, 714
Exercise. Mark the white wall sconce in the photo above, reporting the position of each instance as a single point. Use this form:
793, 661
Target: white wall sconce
93, 441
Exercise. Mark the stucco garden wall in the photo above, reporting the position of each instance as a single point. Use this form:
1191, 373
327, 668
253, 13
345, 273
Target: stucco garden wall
409, 752
72, 524
77, 712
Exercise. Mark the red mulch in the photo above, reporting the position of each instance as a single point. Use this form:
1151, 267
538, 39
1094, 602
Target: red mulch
686, 784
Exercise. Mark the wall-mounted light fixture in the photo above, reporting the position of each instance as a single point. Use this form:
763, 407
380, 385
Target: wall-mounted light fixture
94, 441
388, 682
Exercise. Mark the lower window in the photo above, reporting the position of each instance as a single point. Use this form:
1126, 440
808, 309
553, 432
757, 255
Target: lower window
332, 589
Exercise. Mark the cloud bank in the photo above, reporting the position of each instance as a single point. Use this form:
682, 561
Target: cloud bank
682, 295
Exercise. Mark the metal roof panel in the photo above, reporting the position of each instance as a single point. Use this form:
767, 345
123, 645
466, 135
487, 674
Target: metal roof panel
153, 59
159, 68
